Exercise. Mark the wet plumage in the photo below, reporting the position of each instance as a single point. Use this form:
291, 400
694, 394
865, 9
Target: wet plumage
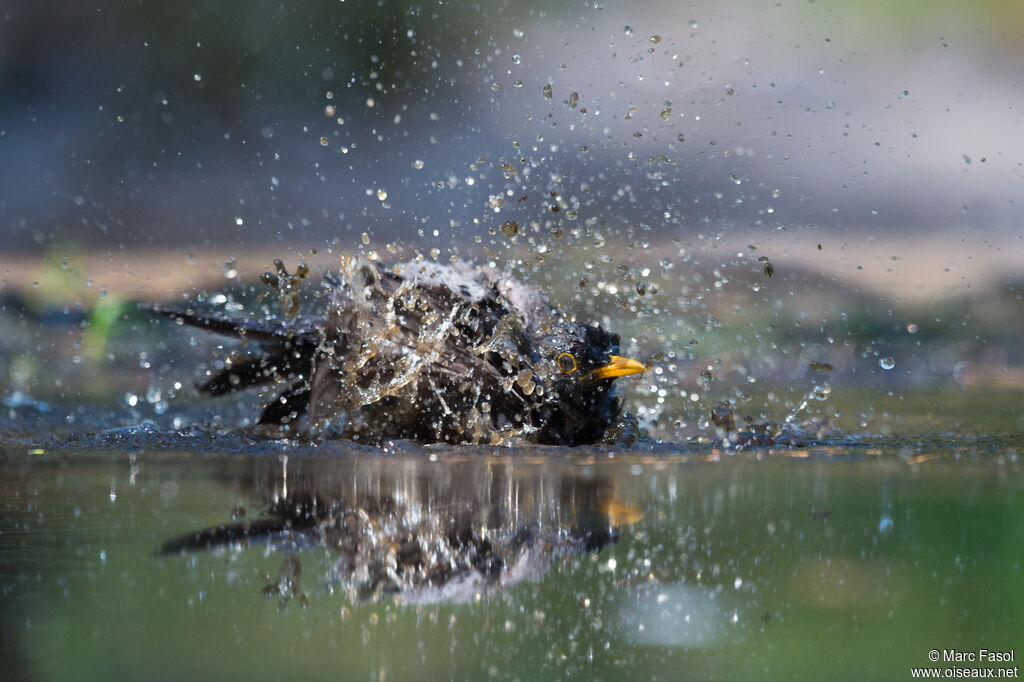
431, 353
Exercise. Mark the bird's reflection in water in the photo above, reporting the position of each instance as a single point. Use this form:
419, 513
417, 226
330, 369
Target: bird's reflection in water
419, 530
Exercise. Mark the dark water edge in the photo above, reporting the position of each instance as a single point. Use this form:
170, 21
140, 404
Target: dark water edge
849, 558
204, 439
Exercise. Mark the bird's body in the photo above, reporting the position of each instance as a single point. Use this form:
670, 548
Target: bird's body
431, 353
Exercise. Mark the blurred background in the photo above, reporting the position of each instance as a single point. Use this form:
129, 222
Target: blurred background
769, 200
808, 209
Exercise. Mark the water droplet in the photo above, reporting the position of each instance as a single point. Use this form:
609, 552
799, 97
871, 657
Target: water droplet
510, 228
418, 164
547, 91
665, 113
574, 98
628, 30
324, 141
330, 110
517, 59
887, 362
382, 194
197, 77
655, 39
366, 238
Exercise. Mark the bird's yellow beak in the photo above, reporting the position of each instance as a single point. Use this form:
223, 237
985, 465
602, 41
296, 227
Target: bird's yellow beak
618, 367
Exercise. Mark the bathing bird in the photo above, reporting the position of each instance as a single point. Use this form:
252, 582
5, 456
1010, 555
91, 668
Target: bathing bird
427, 352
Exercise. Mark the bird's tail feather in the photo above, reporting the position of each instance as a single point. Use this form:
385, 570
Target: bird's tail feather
286, 350
266, 331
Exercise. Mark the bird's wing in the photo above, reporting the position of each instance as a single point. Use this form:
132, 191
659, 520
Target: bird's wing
286, 349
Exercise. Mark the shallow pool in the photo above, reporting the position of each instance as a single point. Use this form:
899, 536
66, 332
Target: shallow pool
145, 554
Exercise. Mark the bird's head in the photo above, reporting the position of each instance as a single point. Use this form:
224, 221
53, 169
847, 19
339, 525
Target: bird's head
577, 365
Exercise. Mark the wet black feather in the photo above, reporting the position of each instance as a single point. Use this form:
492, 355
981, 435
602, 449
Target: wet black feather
425, 352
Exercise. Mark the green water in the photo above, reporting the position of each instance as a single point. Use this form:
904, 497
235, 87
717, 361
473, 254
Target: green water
840, 562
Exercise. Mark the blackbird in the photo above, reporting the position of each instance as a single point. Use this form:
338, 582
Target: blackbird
432, 353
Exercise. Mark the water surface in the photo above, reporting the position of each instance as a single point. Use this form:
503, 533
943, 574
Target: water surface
839, 561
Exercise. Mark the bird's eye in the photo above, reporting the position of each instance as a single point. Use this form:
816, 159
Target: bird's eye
566, 363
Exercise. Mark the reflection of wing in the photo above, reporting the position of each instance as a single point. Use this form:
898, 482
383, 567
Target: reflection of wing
235, 534
421, 532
